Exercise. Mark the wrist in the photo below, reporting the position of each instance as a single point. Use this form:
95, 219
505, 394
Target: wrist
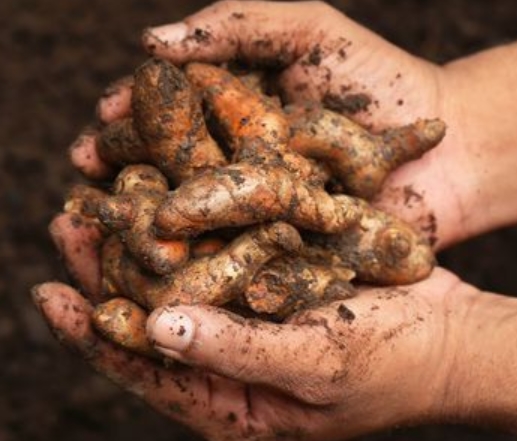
478, 383
477, 103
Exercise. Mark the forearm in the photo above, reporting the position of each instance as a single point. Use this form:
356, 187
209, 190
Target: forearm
480, 93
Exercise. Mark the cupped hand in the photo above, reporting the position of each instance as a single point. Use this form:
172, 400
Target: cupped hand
368, 363
322, 55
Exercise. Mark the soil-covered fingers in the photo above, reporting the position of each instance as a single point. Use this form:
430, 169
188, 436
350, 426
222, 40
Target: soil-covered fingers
78, 239
115, 103
325, 56
265, 33
296, 359
113, 106
85, 157
175, 391
216, 407
382, 343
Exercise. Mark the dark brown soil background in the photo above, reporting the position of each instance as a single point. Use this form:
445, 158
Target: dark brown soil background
57, 56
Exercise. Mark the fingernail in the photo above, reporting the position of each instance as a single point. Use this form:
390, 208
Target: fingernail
171, 332
38, 296
88, 135
80, 150
165, 35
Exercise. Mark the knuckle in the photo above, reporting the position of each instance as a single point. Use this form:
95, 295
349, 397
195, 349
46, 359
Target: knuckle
245, 364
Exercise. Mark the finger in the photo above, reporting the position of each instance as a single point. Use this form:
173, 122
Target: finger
84, 156
327, 56
355, 72
115, 103
253, 31
298, 360
78, 239
176, 391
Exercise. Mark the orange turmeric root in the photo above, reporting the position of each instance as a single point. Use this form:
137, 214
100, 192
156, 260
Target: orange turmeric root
218, 279
206, 247
166, 128
262, 186
253, 125
243, 194
139, 189
168, 117
380, 248
360, 159
112, 254
289, 284
213, 280
120, 144
84, 200
267, 182
123, 276
123, 322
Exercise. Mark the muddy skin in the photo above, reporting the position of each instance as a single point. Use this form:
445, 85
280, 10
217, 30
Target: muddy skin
116, 87
315, 55
421, 216
347, 104
410, 196
81, 255
345, 313
202, 36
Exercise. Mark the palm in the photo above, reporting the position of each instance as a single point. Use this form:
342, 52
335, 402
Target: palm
211, 405
306, 378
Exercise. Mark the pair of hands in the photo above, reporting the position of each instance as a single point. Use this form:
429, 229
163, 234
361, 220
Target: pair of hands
387, 357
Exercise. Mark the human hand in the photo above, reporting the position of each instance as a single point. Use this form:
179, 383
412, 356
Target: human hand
322, 375
435, 175
391, 356
449, 194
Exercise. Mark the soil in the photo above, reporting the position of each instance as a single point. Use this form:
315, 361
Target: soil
57, 57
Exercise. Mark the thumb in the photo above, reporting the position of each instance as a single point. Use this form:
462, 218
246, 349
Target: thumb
272, 33
299, 360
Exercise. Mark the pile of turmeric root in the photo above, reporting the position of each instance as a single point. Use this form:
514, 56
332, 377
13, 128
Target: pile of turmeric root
226, 196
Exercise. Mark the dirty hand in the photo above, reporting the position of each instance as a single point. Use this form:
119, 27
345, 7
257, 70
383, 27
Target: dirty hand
456, 191
326, 374
388, 357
